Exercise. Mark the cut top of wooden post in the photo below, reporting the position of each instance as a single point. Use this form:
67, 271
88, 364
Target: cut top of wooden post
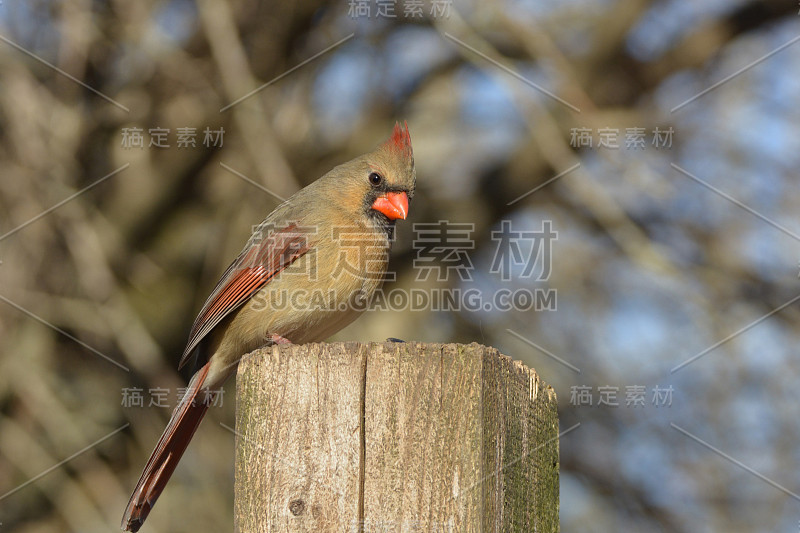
394, 437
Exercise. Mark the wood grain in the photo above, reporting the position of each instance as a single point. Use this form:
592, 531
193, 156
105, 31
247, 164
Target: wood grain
298, 438
394, 437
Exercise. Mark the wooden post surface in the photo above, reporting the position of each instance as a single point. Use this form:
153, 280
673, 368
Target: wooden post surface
393, 437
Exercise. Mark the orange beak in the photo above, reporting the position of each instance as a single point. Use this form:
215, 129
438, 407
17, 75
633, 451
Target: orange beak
392, 204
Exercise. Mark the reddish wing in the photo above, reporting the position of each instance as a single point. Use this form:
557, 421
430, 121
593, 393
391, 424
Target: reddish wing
249, 272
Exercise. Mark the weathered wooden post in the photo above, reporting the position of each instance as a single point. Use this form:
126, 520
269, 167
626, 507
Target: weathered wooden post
394, 437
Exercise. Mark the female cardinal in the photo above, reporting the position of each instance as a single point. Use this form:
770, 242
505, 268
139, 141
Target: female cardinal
307, 271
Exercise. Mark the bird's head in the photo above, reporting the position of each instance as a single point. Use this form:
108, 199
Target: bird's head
392, 177
380, 184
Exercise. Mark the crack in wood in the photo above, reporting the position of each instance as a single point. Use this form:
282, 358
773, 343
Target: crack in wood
362, 453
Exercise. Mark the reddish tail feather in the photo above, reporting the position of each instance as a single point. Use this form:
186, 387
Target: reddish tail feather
173, 442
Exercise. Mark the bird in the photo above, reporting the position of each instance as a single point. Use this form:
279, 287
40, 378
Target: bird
308, 270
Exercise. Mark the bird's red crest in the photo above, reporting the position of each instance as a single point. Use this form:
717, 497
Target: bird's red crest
400, 140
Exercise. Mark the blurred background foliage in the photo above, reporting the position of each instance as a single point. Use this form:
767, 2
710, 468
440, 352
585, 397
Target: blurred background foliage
101, 278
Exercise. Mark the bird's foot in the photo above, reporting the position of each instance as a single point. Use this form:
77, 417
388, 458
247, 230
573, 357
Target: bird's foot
277, 339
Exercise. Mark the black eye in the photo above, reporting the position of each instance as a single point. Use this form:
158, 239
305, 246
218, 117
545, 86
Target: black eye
375, 179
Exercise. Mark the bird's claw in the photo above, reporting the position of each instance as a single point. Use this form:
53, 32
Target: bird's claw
277, 339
